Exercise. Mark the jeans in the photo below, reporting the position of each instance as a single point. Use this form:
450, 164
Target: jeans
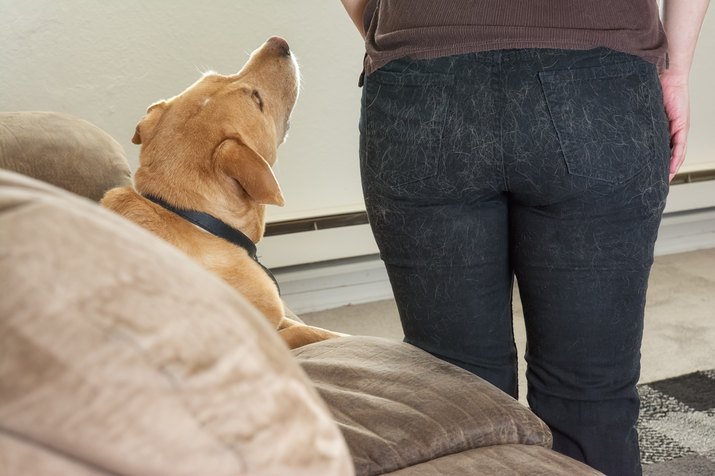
548, 166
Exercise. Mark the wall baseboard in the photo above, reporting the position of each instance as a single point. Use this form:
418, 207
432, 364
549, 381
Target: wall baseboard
341, 282
331, 284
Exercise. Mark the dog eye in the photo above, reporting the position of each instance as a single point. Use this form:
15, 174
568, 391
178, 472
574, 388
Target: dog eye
256, 96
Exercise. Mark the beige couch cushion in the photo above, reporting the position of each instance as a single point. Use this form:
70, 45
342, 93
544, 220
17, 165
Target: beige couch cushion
119, 354
427, 408
63, 150
25, 458
502, 460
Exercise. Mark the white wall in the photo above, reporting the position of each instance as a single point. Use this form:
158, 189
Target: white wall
701, 142
107, 61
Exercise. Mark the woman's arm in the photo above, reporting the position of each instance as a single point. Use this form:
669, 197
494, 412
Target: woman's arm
682, 20
355, 9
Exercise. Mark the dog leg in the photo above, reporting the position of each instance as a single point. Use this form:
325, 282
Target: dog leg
297, 334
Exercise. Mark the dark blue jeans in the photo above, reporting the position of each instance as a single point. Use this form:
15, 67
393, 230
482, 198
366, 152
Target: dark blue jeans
546, 165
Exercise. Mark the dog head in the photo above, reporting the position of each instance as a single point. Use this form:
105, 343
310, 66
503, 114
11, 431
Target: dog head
212, 147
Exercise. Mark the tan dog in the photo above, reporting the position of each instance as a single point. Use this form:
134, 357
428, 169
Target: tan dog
210, 150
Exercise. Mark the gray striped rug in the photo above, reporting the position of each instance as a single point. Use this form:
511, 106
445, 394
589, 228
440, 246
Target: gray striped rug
677, 425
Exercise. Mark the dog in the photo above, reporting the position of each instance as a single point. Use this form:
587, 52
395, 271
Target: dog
205, 175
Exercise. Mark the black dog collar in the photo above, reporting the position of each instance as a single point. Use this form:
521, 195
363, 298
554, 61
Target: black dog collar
216, 227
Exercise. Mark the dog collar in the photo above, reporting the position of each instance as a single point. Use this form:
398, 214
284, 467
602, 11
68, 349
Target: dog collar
218, 228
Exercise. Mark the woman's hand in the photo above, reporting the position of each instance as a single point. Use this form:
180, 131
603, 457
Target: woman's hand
682, 20
677, 107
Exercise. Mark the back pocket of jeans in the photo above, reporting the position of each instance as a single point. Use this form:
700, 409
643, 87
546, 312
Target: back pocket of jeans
603, 118
405, 114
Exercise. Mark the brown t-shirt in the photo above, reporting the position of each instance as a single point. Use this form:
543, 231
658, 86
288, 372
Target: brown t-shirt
431, 28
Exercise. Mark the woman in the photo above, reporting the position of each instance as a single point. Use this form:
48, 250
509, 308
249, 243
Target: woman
533, 140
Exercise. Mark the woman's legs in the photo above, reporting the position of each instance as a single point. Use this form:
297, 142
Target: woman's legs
549, 163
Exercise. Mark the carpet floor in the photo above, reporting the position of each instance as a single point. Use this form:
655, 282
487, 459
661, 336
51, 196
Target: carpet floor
677, 425
679, 335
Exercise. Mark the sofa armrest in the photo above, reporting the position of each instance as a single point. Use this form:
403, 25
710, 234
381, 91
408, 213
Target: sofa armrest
123, 356
64, 151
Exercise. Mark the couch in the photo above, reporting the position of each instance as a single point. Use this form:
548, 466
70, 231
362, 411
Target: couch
120, 355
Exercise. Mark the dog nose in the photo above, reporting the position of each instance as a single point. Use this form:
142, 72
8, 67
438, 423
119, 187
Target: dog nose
279, 45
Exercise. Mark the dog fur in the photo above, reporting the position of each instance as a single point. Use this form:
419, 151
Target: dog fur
211, 149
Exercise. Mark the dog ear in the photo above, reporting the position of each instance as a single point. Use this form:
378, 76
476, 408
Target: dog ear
249, 169
147, 123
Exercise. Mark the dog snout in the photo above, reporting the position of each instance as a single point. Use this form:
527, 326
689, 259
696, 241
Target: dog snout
279, 45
